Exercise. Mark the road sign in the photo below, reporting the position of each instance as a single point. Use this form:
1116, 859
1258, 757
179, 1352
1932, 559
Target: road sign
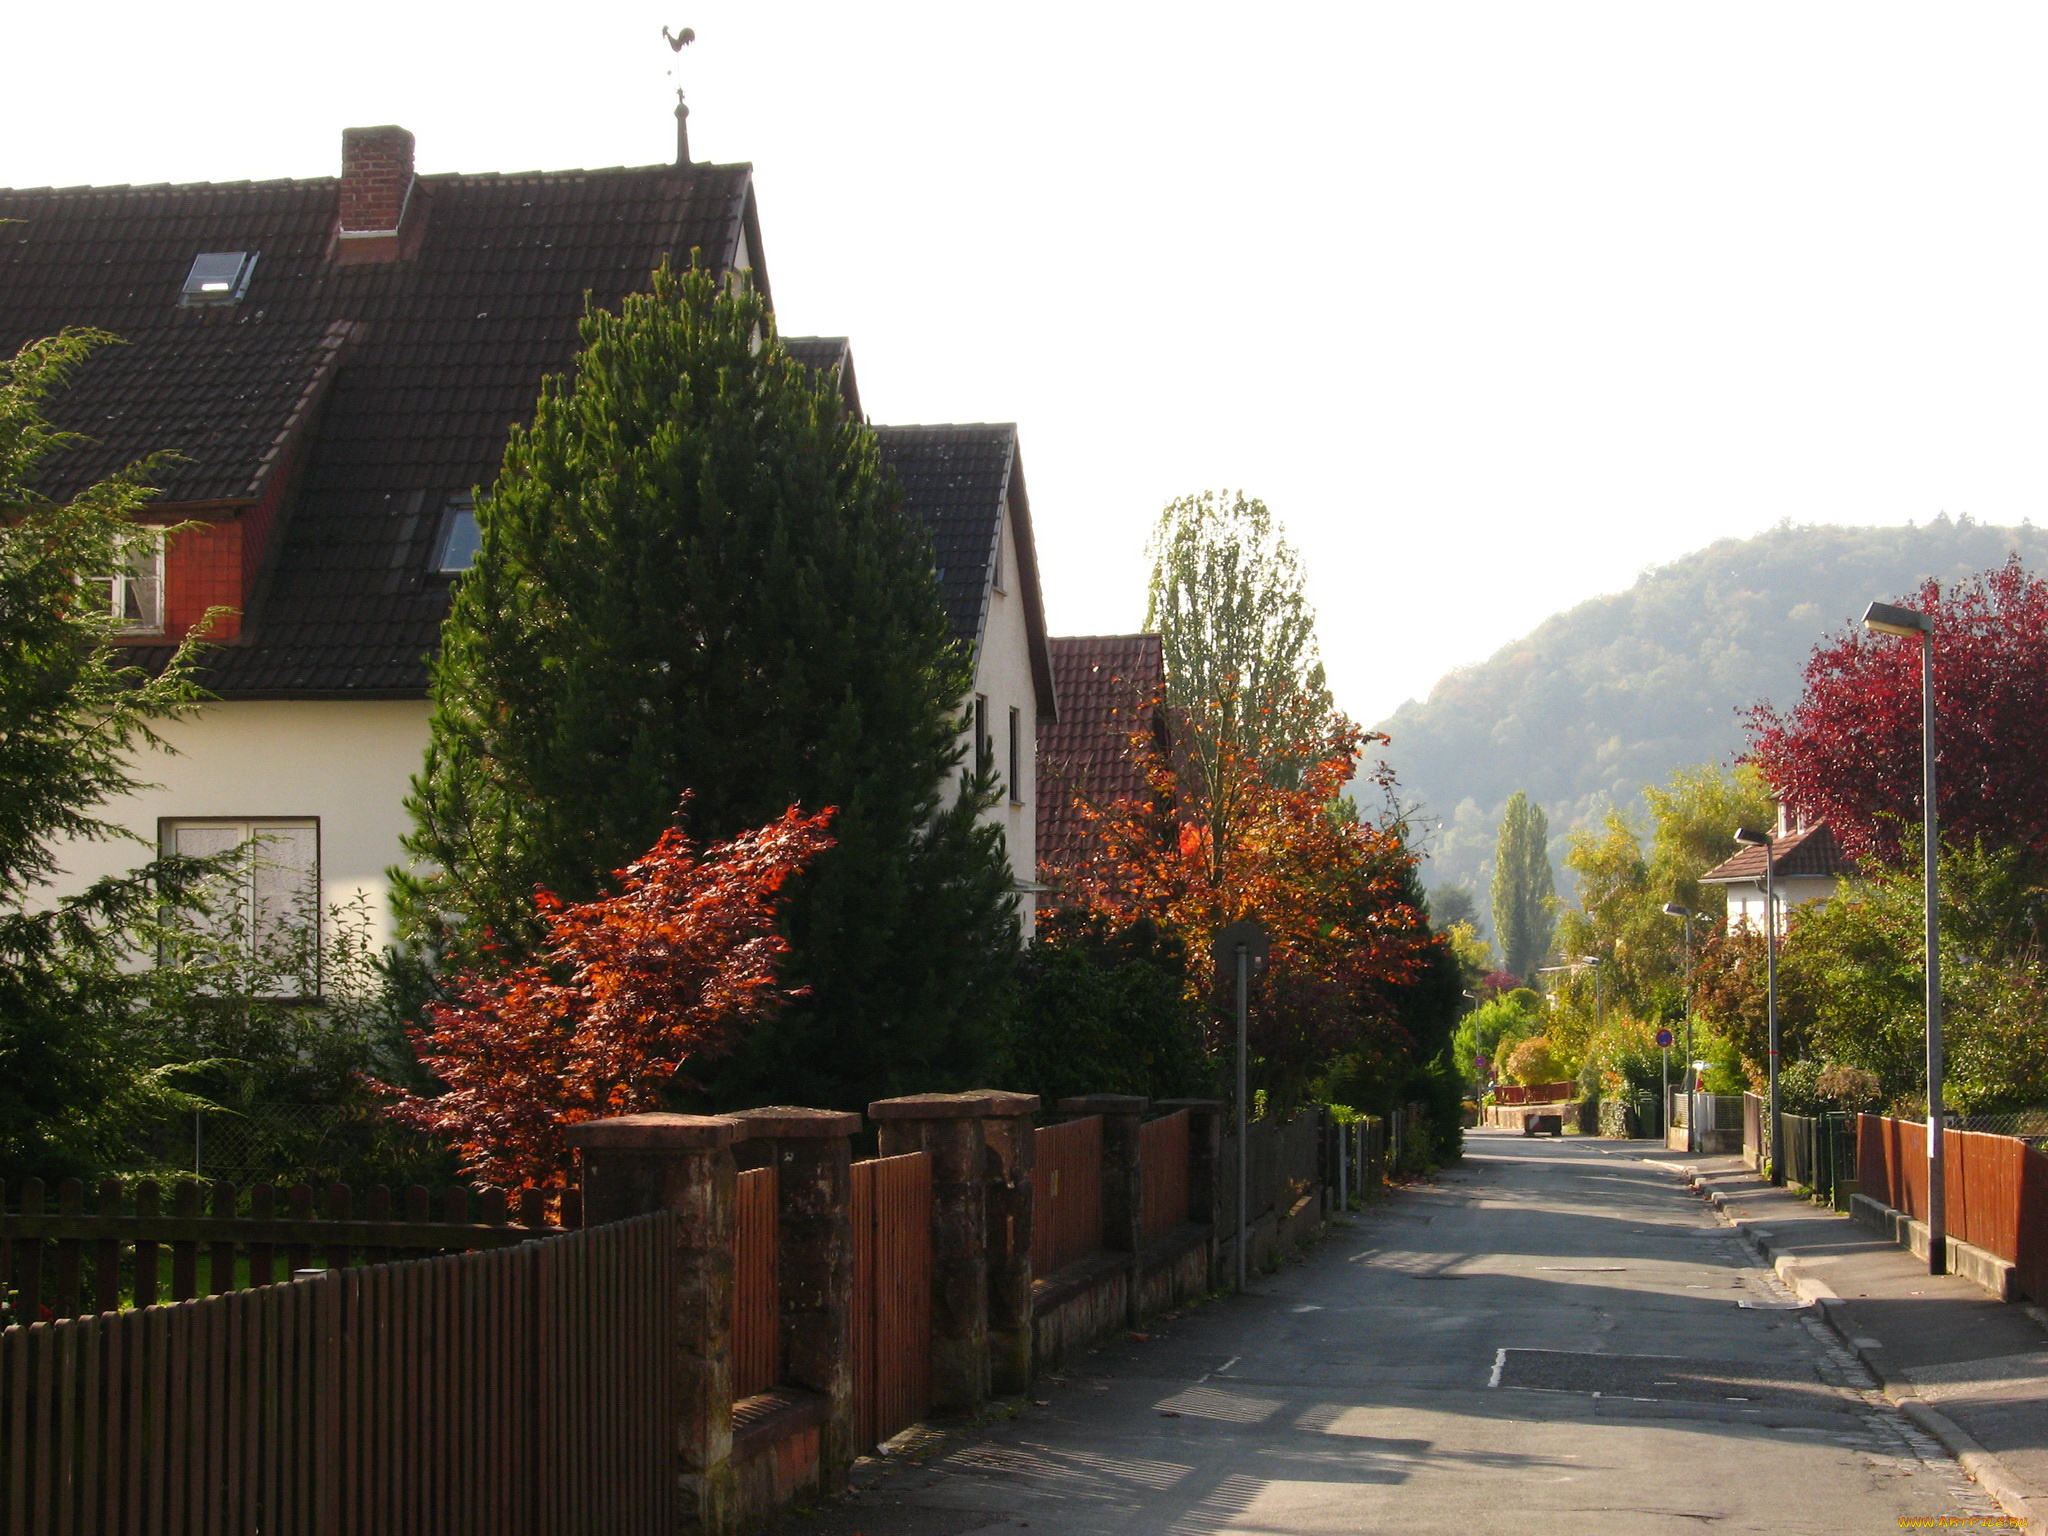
1664, 1039
1257, 946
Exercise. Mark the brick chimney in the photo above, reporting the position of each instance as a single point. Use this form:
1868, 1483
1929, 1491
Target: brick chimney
376, 195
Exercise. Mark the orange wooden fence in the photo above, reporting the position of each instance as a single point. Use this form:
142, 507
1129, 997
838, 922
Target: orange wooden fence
521, 1392
756, 1321
96, 1250
1163, 1167
1541, 1093
1997, 1188
1066, 1194
892, 1295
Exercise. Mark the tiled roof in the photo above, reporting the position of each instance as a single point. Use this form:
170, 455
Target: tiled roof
223, 399
1105, 685
829, 354
960, 480
956, 479
1810, 853
451, 350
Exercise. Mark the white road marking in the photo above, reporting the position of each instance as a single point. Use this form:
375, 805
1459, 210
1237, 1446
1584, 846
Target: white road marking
1500, 1361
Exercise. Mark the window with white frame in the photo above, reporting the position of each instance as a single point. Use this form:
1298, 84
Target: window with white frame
135, 589
267, 905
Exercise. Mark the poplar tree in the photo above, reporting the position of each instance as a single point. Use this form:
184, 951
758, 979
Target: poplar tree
695, 577
1524, 903
1243, 675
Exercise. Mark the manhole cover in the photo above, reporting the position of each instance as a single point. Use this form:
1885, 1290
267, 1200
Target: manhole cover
1662, 1378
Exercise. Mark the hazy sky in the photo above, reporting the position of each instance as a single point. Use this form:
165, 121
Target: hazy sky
1495, 304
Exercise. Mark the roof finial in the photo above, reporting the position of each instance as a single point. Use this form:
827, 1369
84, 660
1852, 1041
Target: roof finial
677, 41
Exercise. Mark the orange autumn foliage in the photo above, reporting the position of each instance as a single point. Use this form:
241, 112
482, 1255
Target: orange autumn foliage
627, 990
1328, 887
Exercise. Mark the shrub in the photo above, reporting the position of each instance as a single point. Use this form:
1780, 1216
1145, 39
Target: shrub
1533, 1062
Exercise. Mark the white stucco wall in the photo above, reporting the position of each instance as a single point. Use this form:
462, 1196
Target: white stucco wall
1002, 675
1746, 902
349, 764
346, 763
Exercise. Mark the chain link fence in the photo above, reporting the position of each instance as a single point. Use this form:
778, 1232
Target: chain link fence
2029, 1125
316, 1143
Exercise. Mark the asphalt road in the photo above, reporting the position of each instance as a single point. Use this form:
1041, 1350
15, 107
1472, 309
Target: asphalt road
1553, 1336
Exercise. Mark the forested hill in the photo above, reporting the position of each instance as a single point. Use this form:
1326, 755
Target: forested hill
1621, 690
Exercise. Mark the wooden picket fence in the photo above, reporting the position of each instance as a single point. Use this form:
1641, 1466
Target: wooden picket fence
756, 1325
892, 1295
516, 1392
1163, 1165
98, 1249
1066, 1194
210, 1359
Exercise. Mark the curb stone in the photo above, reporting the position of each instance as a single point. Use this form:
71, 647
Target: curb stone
2017, 1498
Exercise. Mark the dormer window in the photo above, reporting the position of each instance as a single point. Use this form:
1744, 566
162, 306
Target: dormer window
460, 539
135, 590
217, 277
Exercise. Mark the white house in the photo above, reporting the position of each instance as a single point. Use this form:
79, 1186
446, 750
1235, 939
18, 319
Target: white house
338, 360
1806, 866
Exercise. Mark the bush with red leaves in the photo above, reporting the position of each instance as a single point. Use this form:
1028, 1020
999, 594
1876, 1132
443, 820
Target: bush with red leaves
627, 990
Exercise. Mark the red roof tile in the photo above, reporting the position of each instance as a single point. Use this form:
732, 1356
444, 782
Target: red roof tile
1813, 853
1106, 684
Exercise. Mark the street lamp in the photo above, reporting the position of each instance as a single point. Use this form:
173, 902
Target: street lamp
1673, 909
1750, 837
1888, 620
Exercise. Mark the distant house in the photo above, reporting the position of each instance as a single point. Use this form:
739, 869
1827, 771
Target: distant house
1108, 686
1807, 866
338, 360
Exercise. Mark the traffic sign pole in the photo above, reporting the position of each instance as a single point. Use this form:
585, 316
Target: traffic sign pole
1664, 1108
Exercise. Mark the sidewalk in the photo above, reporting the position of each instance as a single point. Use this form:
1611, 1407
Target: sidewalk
1970, 1369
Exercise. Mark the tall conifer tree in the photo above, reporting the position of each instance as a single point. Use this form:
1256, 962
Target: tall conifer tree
1524, 904
696, 577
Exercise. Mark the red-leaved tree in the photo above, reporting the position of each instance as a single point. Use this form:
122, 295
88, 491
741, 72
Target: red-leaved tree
1849, 752
626, 991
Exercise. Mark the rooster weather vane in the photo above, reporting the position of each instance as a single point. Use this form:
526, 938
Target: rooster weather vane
677, 42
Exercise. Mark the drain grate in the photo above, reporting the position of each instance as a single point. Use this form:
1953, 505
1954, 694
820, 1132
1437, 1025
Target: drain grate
1663, 1378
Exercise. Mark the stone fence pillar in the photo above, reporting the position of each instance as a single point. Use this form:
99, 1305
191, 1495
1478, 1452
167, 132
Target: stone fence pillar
948, 1126
1010, 1144
635, 1164
1123, 1182
812, 1155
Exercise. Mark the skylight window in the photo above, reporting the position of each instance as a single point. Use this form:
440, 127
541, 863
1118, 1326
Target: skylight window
460, 539
217, 277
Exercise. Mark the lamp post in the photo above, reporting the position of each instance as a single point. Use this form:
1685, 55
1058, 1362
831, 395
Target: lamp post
1244, 947
1750, 837
1673, 909
1888, 620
